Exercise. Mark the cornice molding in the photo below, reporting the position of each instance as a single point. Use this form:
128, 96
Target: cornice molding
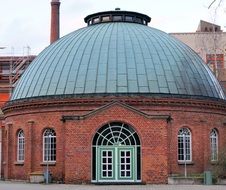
133, 101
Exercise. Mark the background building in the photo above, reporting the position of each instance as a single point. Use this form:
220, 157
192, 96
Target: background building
209, 41
11, 68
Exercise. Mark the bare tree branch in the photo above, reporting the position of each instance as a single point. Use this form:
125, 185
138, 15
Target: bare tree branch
211, 3
214, 2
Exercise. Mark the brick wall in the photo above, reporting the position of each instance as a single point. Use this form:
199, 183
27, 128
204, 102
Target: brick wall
74, 137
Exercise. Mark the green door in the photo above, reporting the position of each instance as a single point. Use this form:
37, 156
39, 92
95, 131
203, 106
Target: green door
116, 154
106, 164
126, 163
116, 164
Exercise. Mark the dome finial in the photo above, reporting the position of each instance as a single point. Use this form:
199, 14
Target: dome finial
117, 9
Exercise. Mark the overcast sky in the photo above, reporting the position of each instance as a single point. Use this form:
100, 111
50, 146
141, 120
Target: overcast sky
27, 22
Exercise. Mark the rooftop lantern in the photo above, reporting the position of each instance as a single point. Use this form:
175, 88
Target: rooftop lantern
117, 16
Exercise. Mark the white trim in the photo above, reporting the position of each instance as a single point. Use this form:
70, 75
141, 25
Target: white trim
125, 163
190, 143
107, 163
20, 146
213, 140
49, 149
116, 165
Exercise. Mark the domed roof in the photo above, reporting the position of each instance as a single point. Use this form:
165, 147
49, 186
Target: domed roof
117, 58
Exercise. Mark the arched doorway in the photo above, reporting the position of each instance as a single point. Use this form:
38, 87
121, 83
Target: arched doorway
116, 154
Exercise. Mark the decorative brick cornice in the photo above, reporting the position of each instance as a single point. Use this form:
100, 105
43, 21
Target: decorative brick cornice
98, 101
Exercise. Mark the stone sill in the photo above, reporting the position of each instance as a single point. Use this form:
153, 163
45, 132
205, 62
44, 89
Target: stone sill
185, 181
38, 173
187, 163
37, 177
19, 163
214, 162
48, 163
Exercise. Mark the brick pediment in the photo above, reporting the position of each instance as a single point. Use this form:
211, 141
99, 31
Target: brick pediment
114, 105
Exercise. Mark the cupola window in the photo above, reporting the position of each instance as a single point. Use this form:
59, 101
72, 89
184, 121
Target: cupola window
117, 18
105, 19
96, 20
129, 18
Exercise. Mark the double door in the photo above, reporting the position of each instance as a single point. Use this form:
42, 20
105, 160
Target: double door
116, 164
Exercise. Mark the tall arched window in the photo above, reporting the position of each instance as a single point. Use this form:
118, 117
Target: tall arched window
214, 145
49, 145
184, 145
20, 146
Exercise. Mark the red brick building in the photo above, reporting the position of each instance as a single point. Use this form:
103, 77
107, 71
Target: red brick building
115, 102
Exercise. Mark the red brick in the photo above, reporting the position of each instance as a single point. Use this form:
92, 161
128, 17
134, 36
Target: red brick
74, 137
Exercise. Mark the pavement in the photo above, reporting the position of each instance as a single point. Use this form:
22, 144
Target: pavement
6, 185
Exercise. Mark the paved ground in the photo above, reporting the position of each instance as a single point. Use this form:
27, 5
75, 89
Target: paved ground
25, 186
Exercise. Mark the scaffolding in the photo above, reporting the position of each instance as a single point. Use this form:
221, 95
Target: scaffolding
11, 69
18, 65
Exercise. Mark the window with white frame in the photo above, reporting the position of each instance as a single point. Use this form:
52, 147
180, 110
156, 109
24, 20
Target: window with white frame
184, 145
214, 145
20, 146
49, 145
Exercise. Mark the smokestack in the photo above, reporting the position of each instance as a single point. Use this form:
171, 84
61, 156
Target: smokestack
55, 21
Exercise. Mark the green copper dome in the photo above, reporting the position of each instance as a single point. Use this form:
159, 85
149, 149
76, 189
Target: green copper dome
117, 58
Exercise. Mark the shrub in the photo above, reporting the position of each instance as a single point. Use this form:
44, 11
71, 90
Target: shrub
219, 167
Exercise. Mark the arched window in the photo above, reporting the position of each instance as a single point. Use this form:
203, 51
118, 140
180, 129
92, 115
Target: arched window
116, 133
116, 154
49, 145
184, 145
20, 146
214, 145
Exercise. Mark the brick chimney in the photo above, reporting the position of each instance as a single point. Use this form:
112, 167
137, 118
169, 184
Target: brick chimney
55, 21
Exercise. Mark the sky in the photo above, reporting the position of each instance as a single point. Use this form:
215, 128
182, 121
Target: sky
25, 24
